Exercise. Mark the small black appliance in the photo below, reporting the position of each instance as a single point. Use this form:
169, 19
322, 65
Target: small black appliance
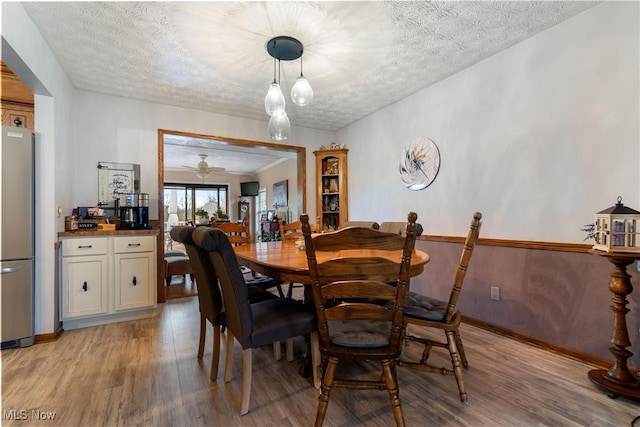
134, 211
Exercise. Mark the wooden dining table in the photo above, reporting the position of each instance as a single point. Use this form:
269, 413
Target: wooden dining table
285, 261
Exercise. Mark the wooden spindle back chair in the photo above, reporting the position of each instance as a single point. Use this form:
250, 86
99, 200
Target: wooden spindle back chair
358, 298
426, 312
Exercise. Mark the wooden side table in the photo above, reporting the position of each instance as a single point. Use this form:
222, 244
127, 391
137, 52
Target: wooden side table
619, 380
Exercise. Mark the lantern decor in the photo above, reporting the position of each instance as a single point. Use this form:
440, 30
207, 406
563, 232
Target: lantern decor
616, 229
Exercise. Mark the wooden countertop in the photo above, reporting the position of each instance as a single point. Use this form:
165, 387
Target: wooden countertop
90, 233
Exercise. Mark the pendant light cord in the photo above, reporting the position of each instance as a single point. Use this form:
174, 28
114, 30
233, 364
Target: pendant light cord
274, 70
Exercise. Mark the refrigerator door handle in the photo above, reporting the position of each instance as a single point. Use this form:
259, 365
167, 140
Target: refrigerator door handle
10, 270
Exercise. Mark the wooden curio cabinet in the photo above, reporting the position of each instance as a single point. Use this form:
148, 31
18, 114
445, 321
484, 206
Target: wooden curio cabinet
331, 188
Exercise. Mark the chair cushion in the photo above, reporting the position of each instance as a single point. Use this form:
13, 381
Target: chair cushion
177, 266
424, 307
359, 333
173, 252
264, 282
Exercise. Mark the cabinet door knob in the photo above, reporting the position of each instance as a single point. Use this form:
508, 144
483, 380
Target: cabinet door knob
84, 286
135, 282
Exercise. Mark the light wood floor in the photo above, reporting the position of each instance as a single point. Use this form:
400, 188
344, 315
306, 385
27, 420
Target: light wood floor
145, 373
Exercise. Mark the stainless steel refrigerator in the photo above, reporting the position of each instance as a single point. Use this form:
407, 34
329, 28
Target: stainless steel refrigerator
17, 254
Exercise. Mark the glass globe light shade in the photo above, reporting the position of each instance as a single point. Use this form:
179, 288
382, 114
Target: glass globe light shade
274, 100
302, 92
279, 126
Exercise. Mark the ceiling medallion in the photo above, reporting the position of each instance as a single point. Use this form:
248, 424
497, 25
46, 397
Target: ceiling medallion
419, 164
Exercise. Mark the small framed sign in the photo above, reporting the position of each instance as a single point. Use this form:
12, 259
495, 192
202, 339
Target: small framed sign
115, 179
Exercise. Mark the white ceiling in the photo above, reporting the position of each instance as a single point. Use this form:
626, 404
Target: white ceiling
359, 56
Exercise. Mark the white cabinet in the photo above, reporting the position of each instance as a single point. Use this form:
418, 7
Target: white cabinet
134, 263
107, 279
87, 285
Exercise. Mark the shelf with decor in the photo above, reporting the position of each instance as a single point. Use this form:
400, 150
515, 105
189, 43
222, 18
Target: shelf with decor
331, 193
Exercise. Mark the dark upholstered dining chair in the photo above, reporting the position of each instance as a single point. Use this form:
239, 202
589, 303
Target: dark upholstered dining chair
209, 297
350, 293
252, 325
426, 312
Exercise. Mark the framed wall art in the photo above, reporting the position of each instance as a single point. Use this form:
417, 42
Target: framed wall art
419, 164
115, 179
280, 196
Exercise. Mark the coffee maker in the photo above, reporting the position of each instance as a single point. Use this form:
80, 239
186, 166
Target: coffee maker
134, 211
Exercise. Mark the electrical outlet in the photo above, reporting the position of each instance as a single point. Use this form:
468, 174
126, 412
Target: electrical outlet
495, 293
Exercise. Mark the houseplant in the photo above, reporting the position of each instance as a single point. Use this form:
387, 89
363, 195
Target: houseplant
221, 215
202, 216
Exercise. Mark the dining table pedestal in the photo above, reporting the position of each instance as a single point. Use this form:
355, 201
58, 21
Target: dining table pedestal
619, 380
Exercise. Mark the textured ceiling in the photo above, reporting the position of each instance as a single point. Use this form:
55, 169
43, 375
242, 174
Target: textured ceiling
359, 56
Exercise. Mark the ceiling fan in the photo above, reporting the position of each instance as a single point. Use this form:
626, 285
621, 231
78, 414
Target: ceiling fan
203, 170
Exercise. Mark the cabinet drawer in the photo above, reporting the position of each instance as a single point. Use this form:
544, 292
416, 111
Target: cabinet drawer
84, 246
133, 244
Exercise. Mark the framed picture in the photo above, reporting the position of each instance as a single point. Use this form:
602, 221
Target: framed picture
280, 196
263, 217
270, 214
115, 179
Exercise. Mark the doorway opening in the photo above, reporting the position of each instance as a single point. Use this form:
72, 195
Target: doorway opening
211, 142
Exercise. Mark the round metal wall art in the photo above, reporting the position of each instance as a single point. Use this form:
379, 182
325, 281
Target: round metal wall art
419, 164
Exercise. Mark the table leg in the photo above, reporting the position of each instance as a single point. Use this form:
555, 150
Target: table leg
619, 380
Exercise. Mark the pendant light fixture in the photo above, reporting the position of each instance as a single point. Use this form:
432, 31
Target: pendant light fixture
284, 48
302, 92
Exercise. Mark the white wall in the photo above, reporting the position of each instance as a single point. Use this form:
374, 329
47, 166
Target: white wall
287, 170
113, 129
538, 138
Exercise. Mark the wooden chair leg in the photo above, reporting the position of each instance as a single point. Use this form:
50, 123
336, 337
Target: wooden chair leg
228, 362
290, 290
327, 383
215, 356
277, 350
246, 381
203, 333
288, 344
457, 365
390, 380
315, 359
463, 356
